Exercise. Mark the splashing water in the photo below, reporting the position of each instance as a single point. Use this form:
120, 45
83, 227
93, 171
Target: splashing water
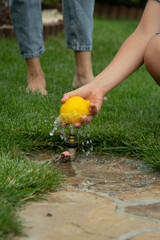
85, 143
57, 128
56, 124
72, 129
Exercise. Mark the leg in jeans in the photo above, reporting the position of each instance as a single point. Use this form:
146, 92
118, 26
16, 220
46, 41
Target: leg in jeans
27, 20
78, 22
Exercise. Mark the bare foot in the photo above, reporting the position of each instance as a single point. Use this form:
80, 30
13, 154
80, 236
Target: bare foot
36, 84
35, 77
80, 80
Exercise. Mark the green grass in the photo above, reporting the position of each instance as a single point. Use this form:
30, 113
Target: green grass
128, 123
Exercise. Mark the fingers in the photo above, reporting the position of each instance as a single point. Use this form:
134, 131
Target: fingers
78, 125
78, 92
63, 124
66, 96
85, 119
93, 109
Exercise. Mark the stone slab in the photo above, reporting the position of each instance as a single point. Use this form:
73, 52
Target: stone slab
147, 236
78, 215
149, 210
103, 199
151, 192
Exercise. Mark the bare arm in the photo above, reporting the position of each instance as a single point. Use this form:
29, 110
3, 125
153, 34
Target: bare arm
128, 59
130, 56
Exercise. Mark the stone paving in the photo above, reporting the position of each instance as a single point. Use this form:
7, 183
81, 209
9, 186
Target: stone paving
103, 199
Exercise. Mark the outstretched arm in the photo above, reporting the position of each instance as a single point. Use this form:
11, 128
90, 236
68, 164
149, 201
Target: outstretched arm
128, 59
131, 54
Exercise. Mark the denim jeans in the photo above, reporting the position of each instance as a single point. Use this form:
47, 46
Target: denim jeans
78, 23
27, 20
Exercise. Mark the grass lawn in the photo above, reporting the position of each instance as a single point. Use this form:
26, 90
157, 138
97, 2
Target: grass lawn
128, 123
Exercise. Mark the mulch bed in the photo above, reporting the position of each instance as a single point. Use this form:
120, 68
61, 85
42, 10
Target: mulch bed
117, 12
101, 10
7, 30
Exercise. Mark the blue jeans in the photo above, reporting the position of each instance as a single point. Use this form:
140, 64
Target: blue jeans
27, 20
78, 23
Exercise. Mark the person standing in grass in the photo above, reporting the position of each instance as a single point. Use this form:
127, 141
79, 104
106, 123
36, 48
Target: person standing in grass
141, 47
78, 21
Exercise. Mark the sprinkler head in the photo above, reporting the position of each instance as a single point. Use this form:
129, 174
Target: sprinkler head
71, 143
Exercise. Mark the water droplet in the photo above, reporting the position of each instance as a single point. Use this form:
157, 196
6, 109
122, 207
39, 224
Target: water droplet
91, 148
88, 153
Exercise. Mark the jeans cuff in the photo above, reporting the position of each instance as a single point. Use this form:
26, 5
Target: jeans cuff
79, 47
33, 54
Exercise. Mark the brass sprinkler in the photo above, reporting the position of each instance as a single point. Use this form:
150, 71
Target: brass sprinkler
71, 144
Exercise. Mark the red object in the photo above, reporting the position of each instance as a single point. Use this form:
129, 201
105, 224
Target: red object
66, 155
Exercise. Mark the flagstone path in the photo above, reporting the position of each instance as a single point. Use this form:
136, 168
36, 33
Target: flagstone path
103, 199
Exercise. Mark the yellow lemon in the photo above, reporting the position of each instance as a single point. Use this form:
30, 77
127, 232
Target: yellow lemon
73, 109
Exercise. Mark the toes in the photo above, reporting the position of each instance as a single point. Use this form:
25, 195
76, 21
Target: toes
41, 91
44, 92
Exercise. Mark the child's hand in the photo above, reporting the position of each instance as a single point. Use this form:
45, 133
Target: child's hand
90, 93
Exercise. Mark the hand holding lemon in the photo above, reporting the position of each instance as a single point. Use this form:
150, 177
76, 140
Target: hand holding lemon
87, 100
74, 109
